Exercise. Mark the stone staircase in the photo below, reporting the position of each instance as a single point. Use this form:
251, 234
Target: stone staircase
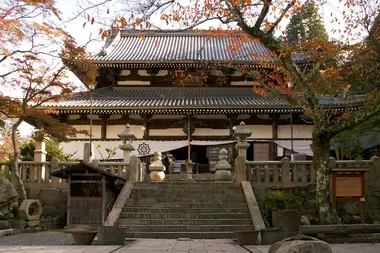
185, 209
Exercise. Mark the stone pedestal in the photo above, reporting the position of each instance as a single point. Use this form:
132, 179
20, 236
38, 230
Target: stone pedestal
127, 137
241, 134
189, 170
223, 167
156, 168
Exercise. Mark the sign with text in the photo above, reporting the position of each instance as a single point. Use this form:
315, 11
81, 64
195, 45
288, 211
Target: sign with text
348, 186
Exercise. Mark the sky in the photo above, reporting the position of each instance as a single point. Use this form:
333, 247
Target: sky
331, 10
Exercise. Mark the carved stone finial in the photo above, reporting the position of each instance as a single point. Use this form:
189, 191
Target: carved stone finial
223, 167
157, 168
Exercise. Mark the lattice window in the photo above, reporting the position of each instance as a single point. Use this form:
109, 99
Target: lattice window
261, 151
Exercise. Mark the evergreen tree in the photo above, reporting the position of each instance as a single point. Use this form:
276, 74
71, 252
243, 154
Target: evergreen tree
306, 25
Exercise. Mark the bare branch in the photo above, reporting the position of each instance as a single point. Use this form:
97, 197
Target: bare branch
275, 24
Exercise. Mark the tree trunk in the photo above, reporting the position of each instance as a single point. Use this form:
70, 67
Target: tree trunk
15, 172
321, 151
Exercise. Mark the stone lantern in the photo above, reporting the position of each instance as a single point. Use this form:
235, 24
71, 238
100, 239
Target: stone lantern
223, 167
241, 133
157, 168
127, 137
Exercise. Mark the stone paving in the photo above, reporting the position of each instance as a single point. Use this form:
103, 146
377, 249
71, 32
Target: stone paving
176, 246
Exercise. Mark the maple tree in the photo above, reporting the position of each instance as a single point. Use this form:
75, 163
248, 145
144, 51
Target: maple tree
35, 58
259, 20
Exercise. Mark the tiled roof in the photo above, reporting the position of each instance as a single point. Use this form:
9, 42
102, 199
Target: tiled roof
160, 47
170, 99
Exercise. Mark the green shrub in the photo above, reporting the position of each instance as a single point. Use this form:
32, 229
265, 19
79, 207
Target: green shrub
278, 200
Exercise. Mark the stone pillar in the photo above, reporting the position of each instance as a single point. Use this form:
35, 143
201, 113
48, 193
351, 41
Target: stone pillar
40, 147
39, 173
241, 134
127, 137
88, 152
156, 168
223, 167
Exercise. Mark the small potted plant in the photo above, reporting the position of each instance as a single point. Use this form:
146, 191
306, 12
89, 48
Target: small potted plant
281, 211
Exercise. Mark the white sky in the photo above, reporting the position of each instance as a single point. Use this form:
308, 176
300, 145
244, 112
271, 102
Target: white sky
331, 10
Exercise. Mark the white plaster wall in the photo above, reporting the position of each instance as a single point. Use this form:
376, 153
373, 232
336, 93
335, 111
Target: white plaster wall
167, 132
96, 131
211, 132
299, 131
114, 130
167, 116
260, 131
73, 116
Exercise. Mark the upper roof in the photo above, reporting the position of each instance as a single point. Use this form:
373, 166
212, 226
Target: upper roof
186, 47
135, 100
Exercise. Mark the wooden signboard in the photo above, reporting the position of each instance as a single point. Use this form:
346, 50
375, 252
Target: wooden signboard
348, 184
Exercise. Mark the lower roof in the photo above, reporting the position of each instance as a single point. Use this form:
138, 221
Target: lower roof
173, 100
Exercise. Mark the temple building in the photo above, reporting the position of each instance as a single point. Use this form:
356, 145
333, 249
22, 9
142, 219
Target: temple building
165, 84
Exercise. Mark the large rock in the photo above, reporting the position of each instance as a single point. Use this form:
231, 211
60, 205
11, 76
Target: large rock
300, 244
50, 196
8, 195
352, 208
304, 220
50, 210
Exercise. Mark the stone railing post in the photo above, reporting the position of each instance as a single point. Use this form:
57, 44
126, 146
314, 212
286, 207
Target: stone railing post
54, 166
95, 162
127, 137
285, 167
39, 155
156, 168
134, 169
241, 134
223, 167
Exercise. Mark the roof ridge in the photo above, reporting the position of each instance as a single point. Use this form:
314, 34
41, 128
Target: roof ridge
174, 32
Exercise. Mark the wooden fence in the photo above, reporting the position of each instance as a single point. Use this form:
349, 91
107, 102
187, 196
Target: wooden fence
286, 173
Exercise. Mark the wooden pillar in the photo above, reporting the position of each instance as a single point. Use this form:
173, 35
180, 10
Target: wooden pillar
272, 150
68, 200
146, 125
103, 133
104, 192
232, 123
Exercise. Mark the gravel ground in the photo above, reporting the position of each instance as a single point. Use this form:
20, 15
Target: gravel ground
53, 237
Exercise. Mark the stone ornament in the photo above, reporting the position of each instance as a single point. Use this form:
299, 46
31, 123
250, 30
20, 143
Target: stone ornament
156, 168
223, 167
30, 209
143, 149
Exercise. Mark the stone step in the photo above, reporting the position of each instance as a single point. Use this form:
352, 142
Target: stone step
185, 228
163, 222
187, 200
185, 205
183, 215
185, 191
170, 210
188, 186
169, 195
189, 182
176, 235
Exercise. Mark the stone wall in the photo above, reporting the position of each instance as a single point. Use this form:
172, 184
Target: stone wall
348, 212
54, 201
